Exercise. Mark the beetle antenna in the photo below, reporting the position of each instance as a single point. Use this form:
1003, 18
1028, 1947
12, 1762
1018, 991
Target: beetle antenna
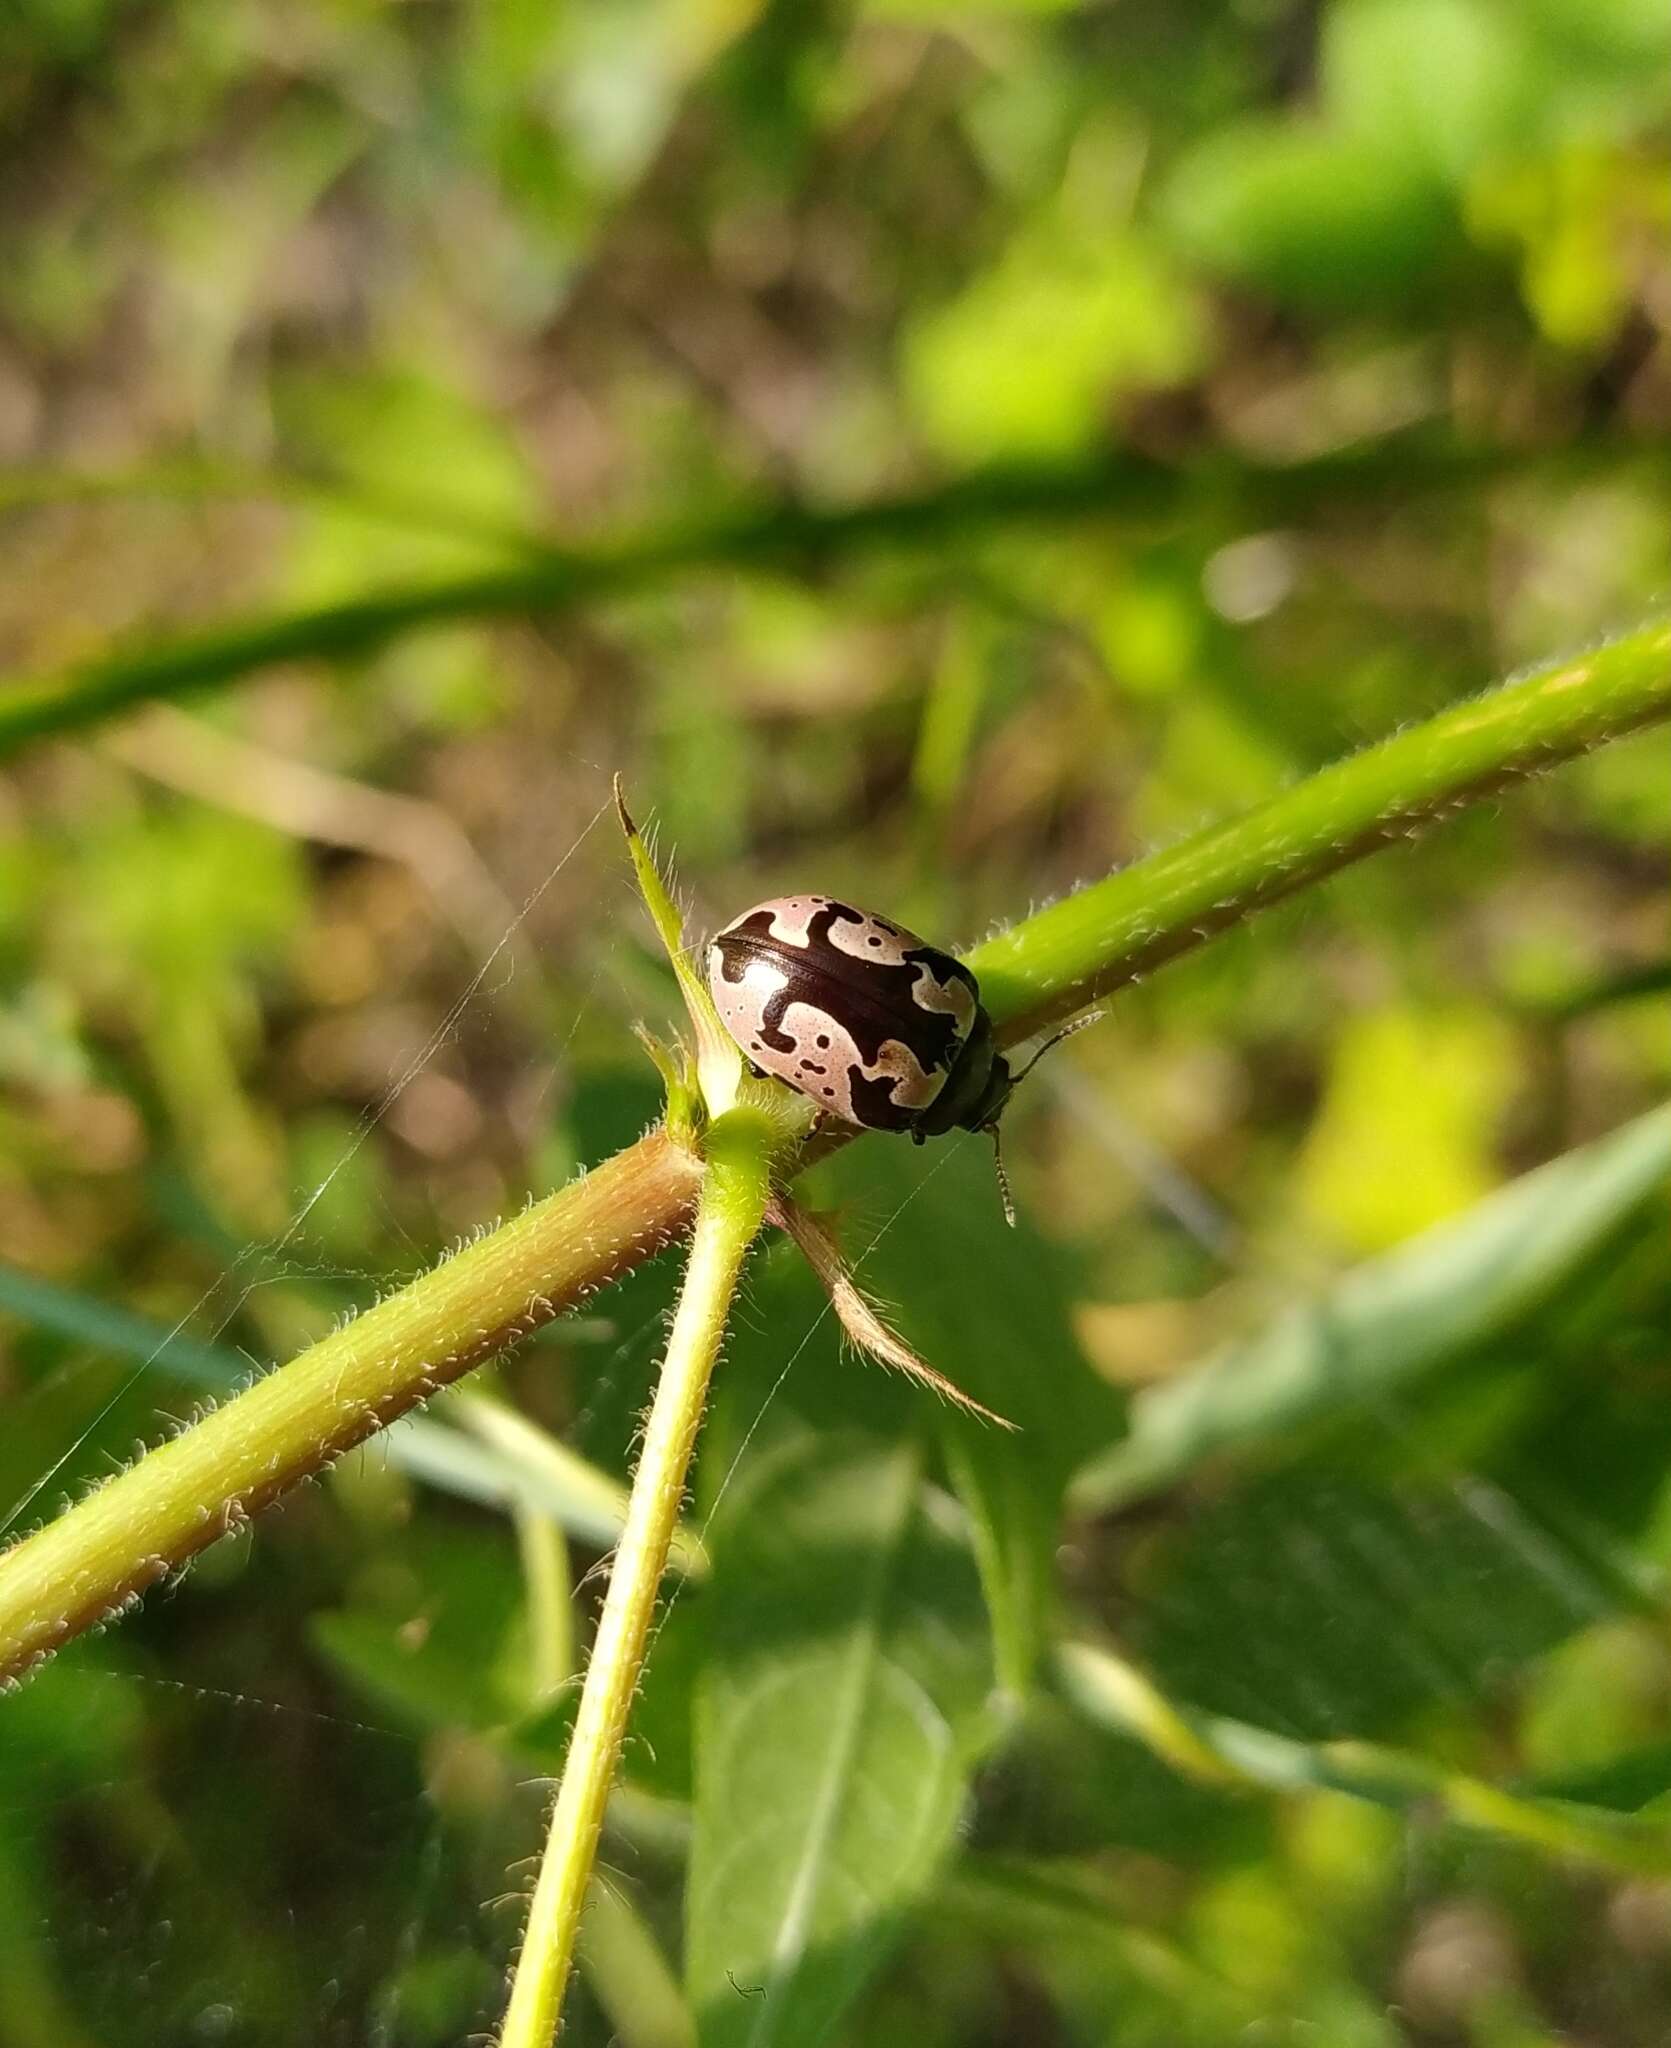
1067, 1031
1003, 1177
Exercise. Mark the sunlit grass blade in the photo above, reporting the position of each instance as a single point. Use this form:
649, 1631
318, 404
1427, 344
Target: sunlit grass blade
1221, 1751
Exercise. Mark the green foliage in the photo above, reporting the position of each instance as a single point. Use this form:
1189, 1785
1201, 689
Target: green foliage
837, 1714
1432, 1304
1014, 1350
950, 457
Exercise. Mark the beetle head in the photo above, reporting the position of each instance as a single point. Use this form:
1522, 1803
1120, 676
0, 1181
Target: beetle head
1001, 1084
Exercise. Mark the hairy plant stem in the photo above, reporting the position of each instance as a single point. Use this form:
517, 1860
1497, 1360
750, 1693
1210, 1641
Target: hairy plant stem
735, 1188
183, 1495
154, 1516
1100, 937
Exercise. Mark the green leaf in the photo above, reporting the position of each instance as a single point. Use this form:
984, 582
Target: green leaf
1441, 83
1391, 1320
1107, 1689
1405, 1135
1074, 1923
1324, 220
1320, 1606
837, 1717
1024, 363
628, 1973
85, 1320
988, 1306
1629, 33
1625, 1784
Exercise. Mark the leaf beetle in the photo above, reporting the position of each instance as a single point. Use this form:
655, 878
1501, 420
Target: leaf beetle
878, 1028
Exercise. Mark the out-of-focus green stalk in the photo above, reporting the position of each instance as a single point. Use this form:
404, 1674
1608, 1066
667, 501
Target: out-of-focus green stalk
784, 537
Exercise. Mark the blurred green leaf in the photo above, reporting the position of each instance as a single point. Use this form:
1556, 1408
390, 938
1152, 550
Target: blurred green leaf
1108, 1689
1027, 360
1627, 1783
1389, 1321
1078, 1928
1625, 32
1404, 1136
1319, 1606
518, 1469
1327, 220
629, 1974
84, 1319
839, 1709
1434, 83
1628, 985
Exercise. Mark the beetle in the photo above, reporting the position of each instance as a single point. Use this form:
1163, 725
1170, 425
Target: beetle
877, 1027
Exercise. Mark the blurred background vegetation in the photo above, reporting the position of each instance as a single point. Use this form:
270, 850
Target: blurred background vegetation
1246, 380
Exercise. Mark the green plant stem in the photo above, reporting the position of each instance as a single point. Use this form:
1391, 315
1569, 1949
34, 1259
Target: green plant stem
181, 1496
783, 537
1217, 1751
735, 1188
1045, 969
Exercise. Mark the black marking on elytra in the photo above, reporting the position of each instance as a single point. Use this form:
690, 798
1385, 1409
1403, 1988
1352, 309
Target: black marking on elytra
873, 1102
740, 943
875, 999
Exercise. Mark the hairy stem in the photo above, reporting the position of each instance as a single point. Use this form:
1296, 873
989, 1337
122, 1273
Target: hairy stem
1110, 933
735, 1188
181, 1497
